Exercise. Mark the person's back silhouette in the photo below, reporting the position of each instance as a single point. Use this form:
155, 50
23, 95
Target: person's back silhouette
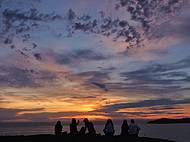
133, 129
89, 126
73, 127
82, 131
125, 128
58, 128
109, 128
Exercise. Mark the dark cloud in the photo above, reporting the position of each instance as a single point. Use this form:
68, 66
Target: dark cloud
140, 113
17, 77
33, 14
83, 97
145, 103
35, 116
159, 68
97, 78
96, 75
76, 56
12, 114
100, 85
148, 11
108, 26
22, 22
149, 89
165, 107
13, 76
38, 56
156, 78
177, 27
17, 23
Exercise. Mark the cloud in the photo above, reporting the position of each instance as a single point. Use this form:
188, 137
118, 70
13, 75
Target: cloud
102, 86
165, 23
25, 22
75, 56
38, 56
13, 76
145, 103
177, 27
149, 108
31, 15
156, 78
12, 114
96, 78
143, 114
165, 107
149, 12
35, 116
61, 76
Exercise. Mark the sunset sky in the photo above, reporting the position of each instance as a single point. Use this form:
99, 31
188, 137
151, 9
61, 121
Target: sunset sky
94, 58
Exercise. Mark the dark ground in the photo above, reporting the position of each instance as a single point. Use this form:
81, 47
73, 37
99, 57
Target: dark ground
52, 138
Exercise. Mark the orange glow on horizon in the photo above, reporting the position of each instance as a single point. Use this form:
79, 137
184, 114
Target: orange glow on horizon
44, 100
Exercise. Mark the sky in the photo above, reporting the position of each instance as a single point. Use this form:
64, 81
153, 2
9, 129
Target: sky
100, 59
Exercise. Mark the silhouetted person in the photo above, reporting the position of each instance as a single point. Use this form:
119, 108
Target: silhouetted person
125, 128
89, 126
58, 128
109, 128
133, 129
73, 127
82, 131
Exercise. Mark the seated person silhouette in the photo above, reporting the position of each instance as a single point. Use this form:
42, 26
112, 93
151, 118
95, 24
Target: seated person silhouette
133, 129
73, 127
109, 128
125, 128
58, 128
82, 131
89, 126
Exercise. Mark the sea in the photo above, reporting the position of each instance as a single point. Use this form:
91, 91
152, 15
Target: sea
176, 132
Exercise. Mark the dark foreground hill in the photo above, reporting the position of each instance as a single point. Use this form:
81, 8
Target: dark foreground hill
52, 138
168, 121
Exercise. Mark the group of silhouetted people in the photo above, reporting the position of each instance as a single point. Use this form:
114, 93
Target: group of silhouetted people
88, 129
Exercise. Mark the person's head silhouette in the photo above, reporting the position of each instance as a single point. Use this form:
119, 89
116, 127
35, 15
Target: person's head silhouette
74, 121
132, 121
86, 121
109, 121
58, 123
125, 122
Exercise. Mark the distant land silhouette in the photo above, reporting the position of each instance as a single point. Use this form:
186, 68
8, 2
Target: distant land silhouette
168, 121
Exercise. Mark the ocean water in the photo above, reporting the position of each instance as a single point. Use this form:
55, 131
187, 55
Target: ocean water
176, 132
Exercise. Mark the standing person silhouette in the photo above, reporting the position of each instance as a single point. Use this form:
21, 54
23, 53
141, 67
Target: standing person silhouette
109, 128
133, 129
125, 128
58, 128
89, 126
73, 127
